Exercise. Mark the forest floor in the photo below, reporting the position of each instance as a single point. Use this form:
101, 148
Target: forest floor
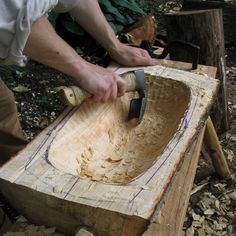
212, 204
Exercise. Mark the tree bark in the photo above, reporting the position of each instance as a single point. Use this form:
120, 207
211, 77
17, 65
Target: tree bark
205, 29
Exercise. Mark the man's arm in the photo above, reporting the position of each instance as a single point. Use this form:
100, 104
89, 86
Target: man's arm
45, 46
89, 15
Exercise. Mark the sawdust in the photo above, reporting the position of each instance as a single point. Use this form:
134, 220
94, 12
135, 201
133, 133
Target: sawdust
123, 165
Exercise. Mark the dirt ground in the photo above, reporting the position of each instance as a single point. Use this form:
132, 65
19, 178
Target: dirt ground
212, 205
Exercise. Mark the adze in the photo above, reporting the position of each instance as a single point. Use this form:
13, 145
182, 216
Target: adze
135, 81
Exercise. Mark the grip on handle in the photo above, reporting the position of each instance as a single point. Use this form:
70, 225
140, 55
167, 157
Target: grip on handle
74, 95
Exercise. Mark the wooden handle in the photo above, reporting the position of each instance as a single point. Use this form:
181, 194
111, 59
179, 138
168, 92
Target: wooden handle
130, 80
74, 95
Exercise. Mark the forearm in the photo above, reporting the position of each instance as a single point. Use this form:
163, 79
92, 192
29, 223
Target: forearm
89, 15
45, 46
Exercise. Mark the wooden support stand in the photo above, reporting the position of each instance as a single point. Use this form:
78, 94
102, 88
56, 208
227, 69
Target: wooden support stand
203, 28
215, 151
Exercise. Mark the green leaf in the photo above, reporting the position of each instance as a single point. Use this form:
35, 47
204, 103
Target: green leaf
52, 18
109, 17
107, 7
130, 19
131, 5
116, 27
79, 51
6, 70
73, 27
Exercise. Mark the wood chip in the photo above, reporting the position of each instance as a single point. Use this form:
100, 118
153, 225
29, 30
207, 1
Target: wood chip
21, 89
209, 212
190, 231
83, 232
233, 195
57, 189
201, 232
198, 188
15, 234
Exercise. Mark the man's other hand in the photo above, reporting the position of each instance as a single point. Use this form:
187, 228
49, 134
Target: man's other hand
131, 56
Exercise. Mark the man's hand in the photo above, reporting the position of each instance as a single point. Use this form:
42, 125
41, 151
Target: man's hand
105, 86
131, 56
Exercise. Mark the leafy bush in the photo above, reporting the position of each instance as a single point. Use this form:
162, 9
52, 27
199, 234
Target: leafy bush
119, 14
6, 71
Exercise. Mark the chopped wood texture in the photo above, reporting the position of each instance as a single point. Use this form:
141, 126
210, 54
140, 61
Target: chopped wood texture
188, 26
69, 202
107, 148
170, 219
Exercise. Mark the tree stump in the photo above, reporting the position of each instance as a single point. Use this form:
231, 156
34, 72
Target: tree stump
205, 29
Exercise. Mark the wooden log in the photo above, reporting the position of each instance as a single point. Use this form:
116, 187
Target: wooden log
215, 151
203, 28
73, 200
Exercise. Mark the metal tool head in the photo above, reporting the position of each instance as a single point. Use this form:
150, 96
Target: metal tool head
138, 105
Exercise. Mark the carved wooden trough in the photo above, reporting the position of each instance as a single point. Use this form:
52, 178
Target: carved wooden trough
92, 168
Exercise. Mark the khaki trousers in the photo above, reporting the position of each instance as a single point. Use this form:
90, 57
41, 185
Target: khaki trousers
11, 137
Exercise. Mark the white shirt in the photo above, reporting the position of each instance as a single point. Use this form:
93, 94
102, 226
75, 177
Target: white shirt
16, 18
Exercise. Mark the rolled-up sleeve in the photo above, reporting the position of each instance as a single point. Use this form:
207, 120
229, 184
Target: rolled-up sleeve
65, 5
16, 18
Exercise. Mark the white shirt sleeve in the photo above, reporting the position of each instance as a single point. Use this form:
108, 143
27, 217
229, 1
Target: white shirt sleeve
16, 18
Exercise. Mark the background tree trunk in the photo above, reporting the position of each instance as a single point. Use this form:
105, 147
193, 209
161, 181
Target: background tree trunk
205, 29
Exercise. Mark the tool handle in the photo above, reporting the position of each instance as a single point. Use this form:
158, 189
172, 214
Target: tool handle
74, 95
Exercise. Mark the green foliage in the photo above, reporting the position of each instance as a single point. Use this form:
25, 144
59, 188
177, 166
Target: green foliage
19, 74
7, 71
52, 18
152, 7
158, 7
119, 14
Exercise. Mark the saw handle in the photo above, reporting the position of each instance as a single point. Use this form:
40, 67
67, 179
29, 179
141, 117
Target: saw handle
74, 95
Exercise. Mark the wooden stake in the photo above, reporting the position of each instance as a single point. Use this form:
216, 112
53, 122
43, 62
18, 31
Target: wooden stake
215, 151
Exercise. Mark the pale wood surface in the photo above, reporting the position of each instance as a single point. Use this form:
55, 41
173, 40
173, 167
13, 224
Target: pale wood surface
107, 148
130, 205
